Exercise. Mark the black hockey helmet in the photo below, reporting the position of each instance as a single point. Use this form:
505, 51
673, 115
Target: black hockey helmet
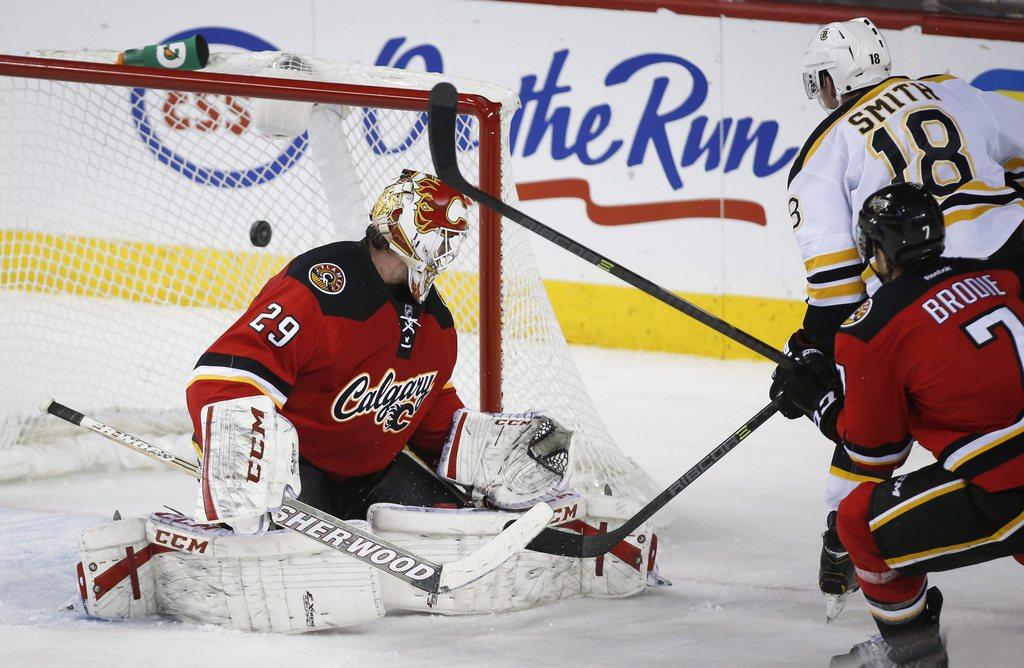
905, 221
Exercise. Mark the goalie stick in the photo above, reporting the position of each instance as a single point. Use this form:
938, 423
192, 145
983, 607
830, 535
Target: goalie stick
441, 117
347, 538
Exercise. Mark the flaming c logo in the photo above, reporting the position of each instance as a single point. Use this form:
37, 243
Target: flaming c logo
439, 207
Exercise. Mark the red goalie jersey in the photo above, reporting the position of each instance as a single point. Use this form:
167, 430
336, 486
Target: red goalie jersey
357, 370
938, 357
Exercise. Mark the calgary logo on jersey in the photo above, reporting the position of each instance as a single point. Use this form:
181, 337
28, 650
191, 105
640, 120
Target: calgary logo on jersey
392, 403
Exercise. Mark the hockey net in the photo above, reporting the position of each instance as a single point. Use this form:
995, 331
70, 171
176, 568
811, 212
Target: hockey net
125, 245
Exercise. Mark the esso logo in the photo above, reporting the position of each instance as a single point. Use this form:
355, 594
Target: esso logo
203, 136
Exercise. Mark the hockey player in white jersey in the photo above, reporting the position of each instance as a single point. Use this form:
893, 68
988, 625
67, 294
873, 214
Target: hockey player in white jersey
965, 145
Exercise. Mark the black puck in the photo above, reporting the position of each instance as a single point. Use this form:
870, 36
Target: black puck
260, 233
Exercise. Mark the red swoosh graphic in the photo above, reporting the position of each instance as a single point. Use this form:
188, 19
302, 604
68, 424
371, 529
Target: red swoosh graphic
629, 214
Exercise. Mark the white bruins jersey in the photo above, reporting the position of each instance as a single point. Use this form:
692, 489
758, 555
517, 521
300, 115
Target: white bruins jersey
965, 145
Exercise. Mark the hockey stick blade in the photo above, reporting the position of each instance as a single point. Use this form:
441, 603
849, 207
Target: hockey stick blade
345, 537
441, 118
553, 541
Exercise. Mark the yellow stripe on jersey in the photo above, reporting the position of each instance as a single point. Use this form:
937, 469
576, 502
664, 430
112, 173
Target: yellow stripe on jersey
1013, 164
978, 184
910, 504
236, 379
868, 273
1002, 532
850, 289
198, 449
973, 212
852, 477
938, 78
819, 262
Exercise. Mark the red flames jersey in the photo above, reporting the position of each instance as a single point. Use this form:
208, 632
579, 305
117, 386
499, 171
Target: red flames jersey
357, 370
937, 356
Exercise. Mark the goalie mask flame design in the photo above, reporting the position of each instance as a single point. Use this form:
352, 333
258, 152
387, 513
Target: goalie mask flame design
425, 222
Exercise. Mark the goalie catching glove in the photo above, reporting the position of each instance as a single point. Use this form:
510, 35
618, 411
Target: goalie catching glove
512, 460
250, 461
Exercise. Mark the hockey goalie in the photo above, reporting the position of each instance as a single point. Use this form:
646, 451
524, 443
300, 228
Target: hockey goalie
334, 388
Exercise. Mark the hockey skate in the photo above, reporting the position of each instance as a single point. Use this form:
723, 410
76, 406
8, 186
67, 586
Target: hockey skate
916, 644
836, 576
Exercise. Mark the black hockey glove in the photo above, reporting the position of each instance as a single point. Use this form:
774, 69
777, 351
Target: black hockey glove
810, 387
796, 346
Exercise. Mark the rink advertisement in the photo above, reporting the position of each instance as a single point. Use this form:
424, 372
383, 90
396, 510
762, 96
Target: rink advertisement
661, 140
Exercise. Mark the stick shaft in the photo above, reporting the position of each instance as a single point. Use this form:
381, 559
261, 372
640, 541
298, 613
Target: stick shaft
441, 130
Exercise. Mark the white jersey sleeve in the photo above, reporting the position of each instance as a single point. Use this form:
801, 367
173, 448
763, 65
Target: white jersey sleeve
821, 213
1008, 116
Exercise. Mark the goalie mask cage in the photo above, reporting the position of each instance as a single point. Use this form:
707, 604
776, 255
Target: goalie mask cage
127, 199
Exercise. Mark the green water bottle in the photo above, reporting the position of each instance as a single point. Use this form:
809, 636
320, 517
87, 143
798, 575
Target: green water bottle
186, 54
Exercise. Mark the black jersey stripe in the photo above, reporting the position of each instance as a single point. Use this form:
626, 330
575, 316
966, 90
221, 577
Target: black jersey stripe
245, 364
837, 274
884, 450
968, 199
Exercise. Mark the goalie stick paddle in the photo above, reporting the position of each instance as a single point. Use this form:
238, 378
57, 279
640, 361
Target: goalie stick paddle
347, 538
441, 117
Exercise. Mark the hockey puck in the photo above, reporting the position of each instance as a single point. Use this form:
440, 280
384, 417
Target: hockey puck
260, 233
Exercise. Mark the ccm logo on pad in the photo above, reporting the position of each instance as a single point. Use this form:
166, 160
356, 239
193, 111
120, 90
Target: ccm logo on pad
179, 542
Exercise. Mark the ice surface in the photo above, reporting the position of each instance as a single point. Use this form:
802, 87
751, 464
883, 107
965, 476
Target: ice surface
743, 555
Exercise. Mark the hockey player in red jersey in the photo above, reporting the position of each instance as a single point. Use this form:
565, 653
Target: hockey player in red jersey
349, 351
351, 344
965, 145
936, 355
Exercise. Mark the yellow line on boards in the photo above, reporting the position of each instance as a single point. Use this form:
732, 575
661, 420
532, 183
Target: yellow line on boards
610, 316
616, 316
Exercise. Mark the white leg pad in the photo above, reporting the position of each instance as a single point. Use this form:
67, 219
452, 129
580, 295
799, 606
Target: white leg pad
623, 571
279, 581
441, 535
116, 574
529, 578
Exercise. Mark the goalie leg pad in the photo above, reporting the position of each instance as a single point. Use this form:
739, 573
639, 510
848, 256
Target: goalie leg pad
526, 580
116, 571
279, 581
202, 573
624, 570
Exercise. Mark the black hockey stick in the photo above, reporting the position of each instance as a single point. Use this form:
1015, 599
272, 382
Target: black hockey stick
347, 538
441, 131
553, 541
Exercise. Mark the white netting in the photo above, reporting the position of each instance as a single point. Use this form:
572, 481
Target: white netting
124, 248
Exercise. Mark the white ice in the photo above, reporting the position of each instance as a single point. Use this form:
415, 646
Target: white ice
742, 553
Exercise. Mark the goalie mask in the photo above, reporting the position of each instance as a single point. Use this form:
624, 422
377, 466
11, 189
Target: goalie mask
425, 223
854, 55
